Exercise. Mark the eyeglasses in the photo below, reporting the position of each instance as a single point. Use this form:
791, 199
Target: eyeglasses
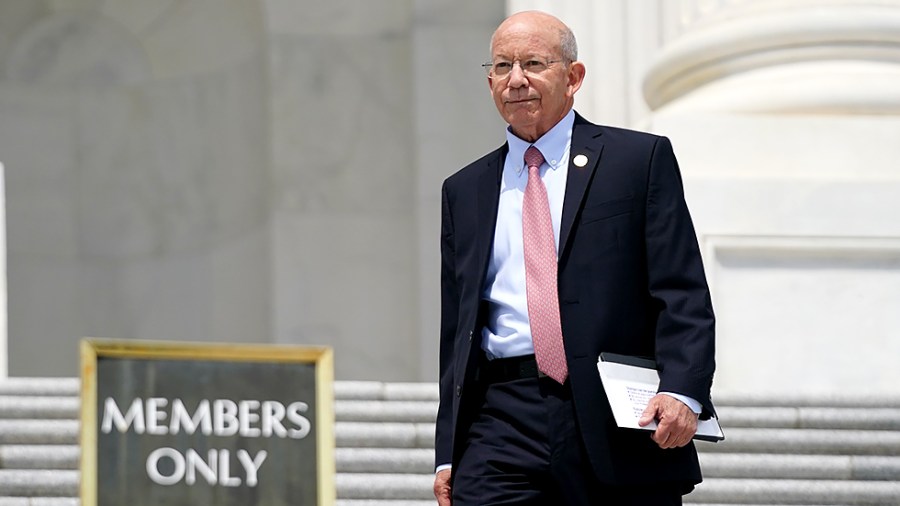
501, 69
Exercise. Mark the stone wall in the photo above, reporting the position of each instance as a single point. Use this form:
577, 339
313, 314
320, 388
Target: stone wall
261, 171
135, 143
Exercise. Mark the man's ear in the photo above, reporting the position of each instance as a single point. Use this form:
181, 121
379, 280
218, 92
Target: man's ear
576, 76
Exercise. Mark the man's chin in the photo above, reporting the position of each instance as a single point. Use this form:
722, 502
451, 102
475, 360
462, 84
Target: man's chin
521, 112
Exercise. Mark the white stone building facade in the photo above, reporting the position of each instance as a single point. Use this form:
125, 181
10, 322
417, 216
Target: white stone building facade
269, 171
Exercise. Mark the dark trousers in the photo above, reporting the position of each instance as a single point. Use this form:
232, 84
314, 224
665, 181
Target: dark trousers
524, 448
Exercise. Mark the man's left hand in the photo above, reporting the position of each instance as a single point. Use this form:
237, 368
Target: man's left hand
676, 424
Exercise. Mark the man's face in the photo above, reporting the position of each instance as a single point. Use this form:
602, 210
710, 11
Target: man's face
532, 103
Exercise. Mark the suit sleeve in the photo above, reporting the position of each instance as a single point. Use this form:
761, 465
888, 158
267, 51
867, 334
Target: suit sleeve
685, 327
443, 443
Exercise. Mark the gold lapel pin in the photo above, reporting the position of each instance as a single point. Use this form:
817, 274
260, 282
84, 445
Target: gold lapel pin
580, 160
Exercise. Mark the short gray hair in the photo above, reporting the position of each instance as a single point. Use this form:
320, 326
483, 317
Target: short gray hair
567, 44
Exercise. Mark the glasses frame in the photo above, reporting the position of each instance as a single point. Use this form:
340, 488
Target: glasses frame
489, 67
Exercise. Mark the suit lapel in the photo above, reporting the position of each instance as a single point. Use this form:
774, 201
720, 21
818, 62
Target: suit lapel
486, 211
585, 142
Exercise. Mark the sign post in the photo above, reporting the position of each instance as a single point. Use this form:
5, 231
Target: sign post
219, 425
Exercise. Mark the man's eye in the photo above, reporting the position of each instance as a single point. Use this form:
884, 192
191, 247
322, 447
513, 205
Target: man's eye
502, 66
534, 65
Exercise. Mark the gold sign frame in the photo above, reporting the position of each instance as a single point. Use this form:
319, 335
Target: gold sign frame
321, 357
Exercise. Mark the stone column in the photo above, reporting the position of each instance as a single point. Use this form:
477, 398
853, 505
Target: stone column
784, 115
786, 119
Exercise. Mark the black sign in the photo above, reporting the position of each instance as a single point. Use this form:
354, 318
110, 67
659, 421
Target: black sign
219, 425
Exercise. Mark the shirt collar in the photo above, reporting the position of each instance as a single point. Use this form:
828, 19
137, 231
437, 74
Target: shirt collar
553, 145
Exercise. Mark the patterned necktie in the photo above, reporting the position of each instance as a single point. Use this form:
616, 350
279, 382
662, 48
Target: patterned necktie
540, 273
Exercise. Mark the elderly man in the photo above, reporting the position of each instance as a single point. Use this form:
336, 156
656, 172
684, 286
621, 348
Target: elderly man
570, 240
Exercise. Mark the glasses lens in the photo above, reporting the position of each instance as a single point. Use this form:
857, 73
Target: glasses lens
501, 68
534, 66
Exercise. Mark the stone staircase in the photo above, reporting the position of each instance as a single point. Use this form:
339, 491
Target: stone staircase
778, 451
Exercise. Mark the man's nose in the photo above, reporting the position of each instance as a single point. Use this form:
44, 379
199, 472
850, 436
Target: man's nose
517, 77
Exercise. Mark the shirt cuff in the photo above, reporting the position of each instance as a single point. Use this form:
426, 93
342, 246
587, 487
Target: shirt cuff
695, 406
442, 467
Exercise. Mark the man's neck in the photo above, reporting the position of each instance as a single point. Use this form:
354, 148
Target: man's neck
532, 134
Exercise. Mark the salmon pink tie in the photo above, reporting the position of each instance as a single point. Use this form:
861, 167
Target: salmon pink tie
540, 273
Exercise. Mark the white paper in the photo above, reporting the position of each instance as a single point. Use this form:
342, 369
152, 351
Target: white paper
629, 388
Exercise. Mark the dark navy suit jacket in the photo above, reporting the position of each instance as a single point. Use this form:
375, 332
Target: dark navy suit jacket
630, 281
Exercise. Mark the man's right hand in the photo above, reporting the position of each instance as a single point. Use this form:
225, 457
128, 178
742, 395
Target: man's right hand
442, 487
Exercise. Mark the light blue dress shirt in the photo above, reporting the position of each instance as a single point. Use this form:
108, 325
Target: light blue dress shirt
508, 332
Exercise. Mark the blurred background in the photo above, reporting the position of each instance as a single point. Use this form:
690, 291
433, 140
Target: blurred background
269, 171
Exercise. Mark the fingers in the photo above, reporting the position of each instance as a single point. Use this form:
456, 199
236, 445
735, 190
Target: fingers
442, 487
672, 438
677, 423
650, 412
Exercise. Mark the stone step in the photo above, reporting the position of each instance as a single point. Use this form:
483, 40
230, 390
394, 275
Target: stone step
806, 400
806, 442
810, 418
387, 486
39, 456
384, 460
40, 386
385, 411
820, 492
39, 501
370, 502
384, 435
39, 483
54, 407
380, 391
812, 467
38, 432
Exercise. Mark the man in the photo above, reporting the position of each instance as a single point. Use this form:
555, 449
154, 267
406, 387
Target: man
570, 240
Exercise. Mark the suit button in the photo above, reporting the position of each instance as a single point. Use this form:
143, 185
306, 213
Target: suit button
470, 335
458, 390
